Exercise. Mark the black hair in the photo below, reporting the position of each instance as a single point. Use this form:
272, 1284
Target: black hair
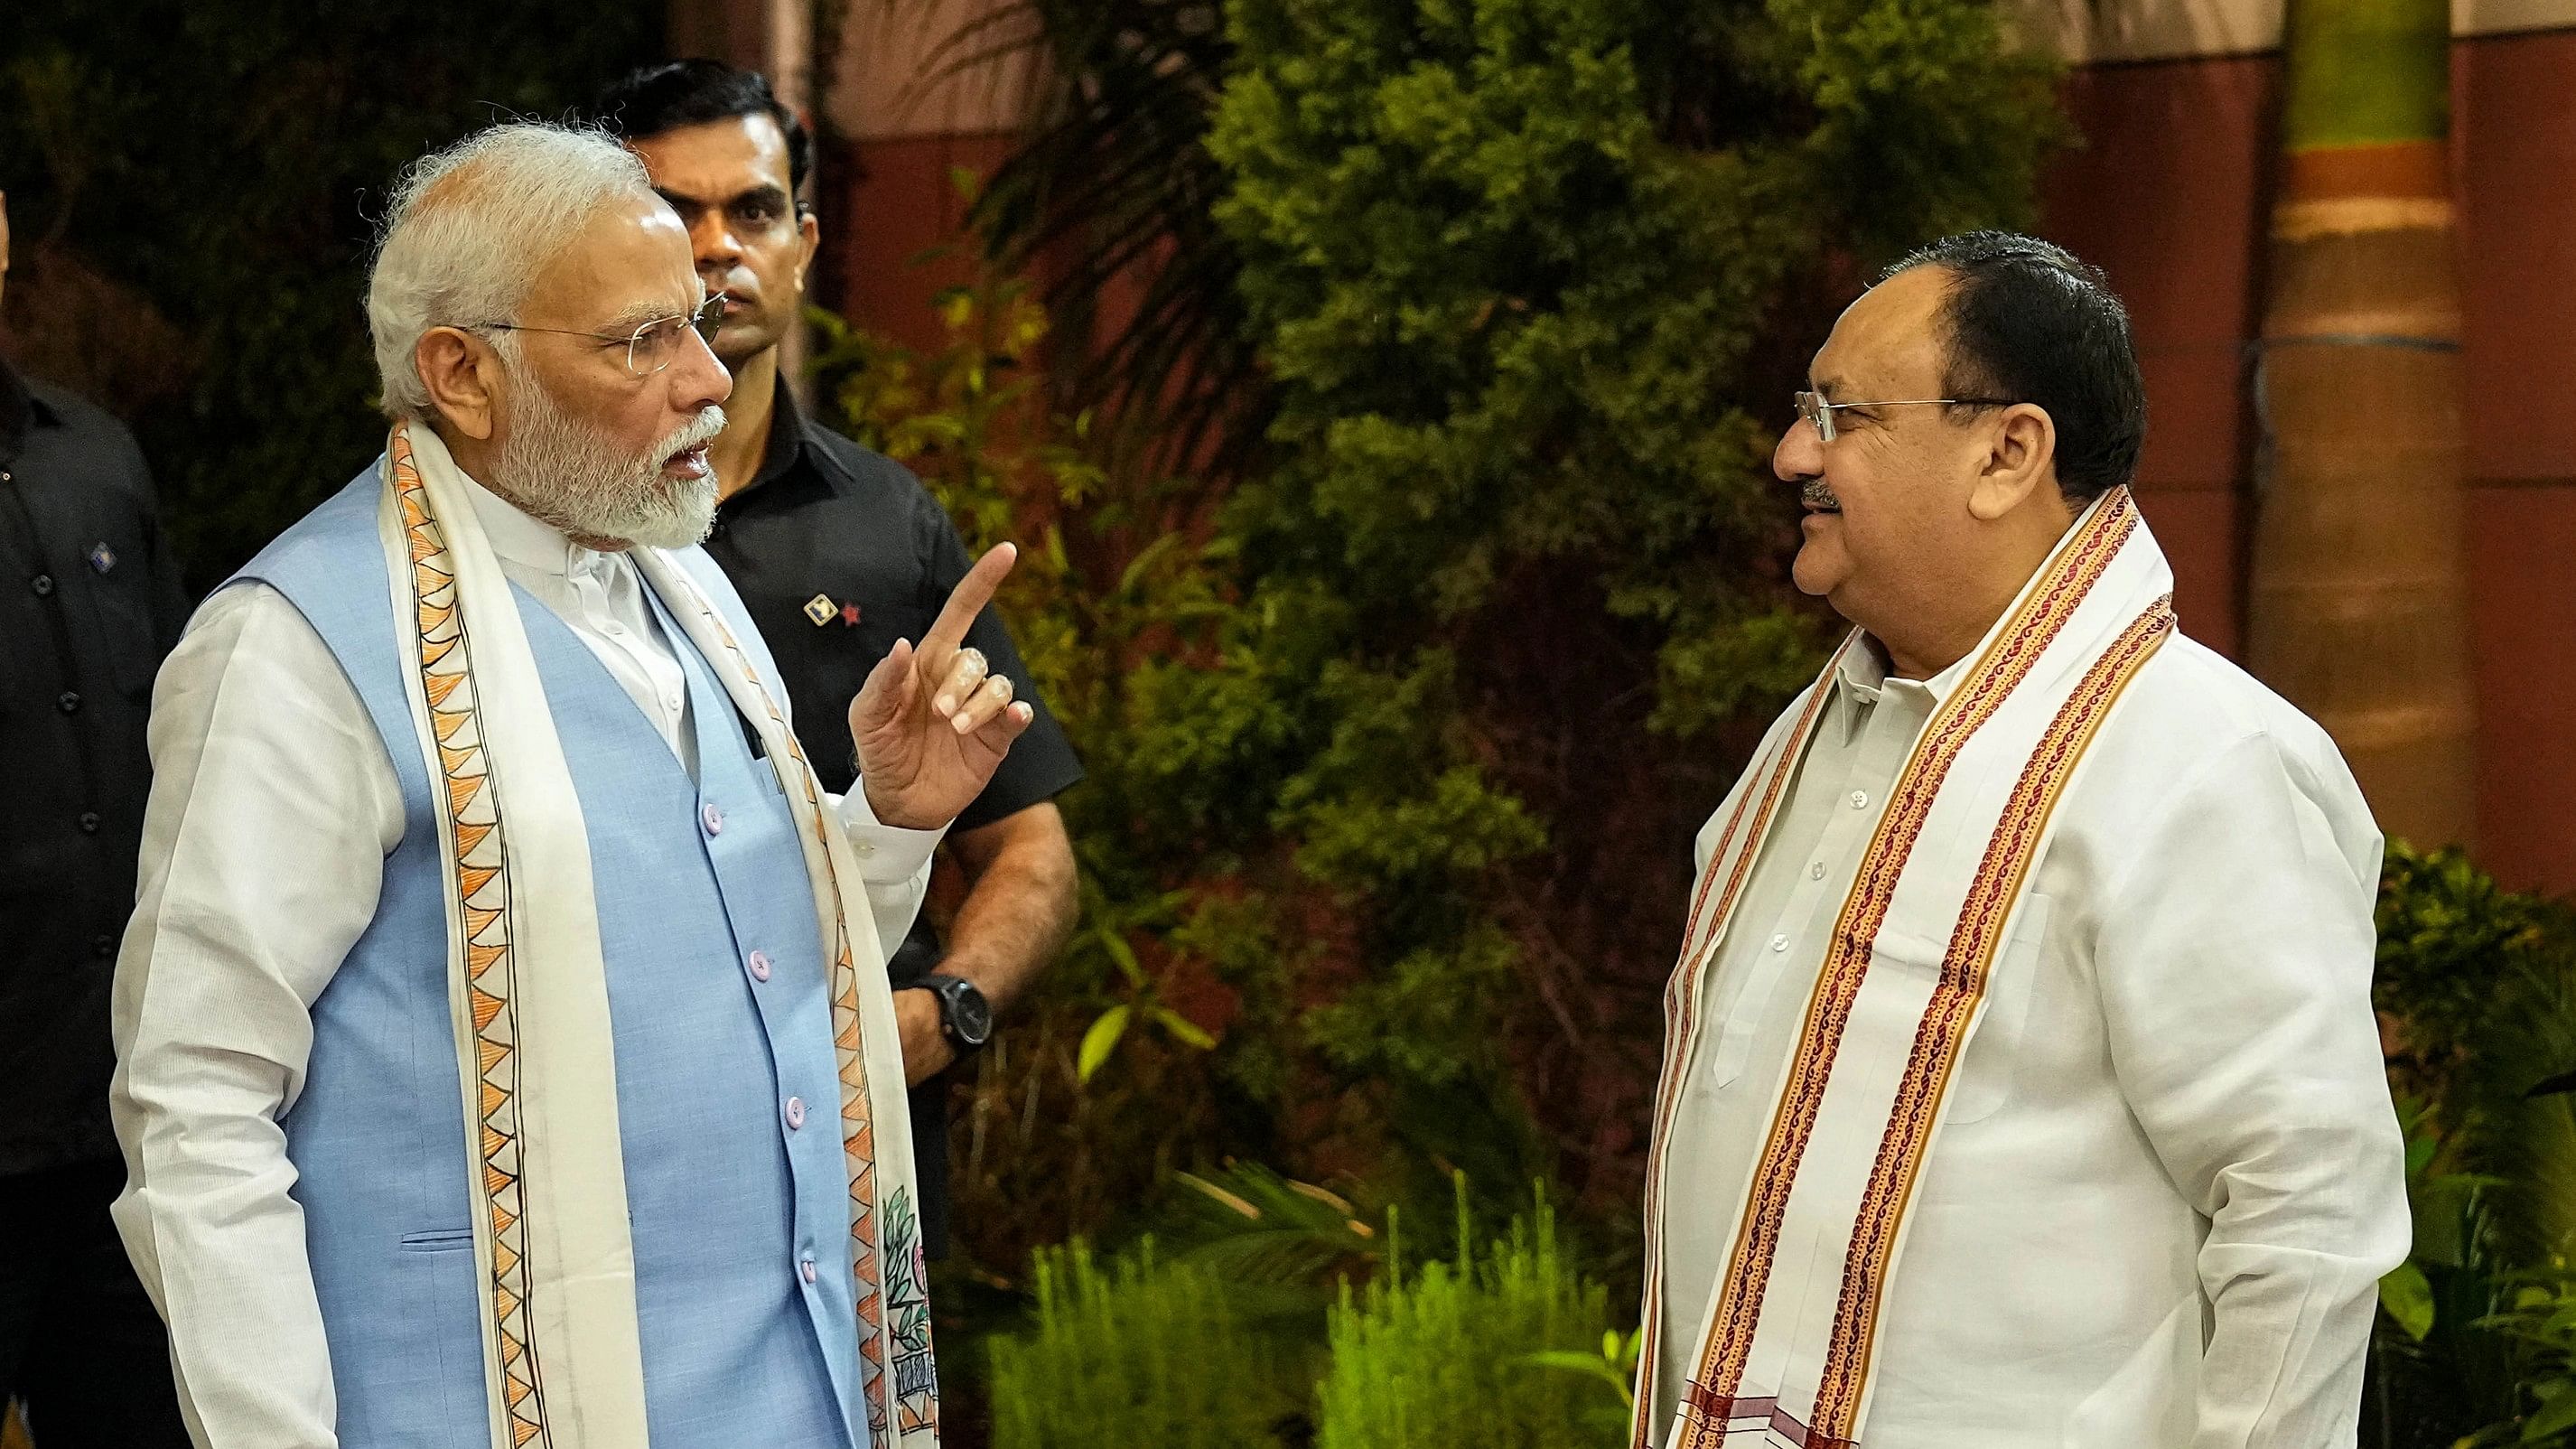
662, 98
2028, 322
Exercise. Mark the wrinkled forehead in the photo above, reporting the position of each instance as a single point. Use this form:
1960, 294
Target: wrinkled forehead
1889, 343
629, 265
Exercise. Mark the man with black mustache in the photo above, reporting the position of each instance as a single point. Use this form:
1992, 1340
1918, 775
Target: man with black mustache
2022, 1088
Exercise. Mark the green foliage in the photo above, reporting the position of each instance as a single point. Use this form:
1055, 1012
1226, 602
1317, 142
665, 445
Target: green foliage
2478, 1343
2483, 984
1238, 1324
217, 166
1528, 277
1141, 1351
1444, 1354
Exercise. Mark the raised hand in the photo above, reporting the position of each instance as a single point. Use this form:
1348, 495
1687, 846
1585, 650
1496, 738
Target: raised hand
933, 722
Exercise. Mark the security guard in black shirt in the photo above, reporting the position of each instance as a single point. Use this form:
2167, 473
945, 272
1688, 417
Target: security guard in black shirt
89, 603
837, 553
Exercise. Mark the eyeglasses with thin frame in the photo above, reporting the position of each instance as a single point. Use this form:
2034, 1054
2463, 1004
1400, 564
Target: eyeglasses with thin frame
651, 347
1814, 409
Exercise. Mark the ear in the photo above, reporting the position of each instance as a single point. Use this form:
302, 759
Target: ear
2021, 460
464, 377
809, 234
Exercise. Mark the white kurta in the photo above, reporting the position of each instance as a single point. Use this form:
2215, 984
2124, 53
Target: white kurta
273, 807
2170, 1177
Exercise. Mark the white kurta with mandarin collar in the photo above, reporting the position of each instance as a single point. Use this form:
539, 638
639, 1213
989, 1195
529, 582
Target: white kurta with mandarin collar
2168, 1176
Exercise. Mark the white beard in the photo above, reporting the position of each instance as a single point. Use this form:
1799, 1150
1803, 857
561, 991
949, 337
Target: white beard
563, 473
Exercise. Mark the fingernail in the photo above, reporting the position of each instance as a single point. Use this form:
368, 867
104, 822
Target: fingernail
961, 724
945, 704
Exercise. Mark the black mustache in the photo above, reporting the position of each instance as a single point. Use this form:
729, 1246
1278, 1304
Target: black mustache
1813, 492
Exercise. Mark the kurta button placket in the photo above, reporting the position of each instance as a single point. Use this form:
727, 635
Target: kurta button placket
712, 818
795, 1114
759, 965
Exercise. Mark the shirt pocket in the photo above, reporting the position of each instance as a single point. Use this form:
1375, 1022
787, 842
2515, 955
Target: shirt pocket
1981, 1077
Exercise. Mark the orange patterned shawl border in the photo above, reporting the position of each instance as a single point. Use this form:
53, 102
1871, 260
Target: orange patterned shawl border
471, 831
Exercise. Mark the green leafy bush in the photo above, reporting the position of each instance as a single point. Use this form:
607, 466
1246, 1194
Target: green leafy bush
1139, 1351
1252, 1333
1476, 1351
2478, 987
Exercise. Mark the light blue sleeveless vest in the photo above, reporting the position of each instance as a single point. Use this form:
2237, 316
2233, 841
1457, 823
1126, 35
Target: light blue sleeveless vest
728, 1204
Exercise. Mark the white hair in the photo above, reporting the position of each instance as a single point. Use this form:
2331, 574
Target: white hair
469, 229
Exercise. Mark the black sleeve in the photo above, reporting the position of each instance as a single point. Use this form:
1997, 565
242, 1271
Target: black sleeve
1041, 764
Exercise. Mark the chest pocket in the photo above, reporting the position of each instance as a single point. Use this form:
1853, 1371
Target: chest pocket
1981, 1079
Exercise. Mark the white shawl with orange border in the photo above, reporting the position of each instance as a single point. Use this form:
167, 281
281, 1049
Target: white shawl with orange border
528, 990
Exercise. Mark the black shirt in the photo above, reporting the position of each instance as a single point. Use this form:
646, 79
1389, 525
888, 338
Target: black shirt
89, 603
838, 552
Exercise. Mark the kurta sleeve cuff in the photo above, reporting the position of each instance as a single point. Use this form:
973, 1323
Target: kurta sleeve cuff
888, 855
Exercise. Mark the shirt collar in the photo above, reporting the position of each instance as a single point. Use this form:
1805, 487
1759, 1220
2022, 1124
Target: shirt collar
527, 541
20, 411
785, 447
1861, 680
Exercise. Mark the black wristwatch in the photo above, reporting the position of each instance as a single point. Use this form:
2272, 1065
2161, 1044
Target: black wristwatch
964, 1014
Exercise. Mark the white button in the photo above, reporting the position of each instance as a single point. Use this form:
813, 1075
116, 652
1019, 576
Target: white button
863, 848
795, 1113
1816, 871
670, 701
1860, 800
1779, 943
713, 818
806, 1270
759, 965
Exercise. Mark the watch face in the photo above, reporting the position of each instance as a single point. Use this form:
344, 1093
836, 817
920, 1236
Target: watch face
969, 1014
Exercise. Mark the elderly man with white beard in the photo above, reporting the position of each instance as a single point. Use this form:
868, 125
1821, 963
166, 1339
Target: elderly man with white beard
505, 1047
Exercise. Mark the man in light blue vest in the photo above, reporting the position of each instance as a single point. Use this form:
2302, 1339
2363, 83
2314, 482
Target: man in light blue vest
505, 1051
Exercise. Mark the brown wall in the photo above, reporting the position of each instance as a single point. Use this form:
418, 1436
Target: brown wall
2169, 195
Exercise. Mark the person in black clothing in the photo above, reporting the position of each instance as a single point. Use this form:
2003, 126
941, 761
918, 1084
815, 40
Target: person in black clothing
89, 602
838, 552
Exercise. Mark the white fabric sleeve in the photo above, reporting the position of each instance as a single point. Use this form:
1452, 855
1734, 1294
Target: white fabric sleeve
894, 864
272, 810
2234, 966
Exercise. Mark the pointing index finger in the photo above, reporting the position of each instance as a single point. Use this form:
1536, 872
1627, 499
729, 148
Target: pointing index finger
972, 593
